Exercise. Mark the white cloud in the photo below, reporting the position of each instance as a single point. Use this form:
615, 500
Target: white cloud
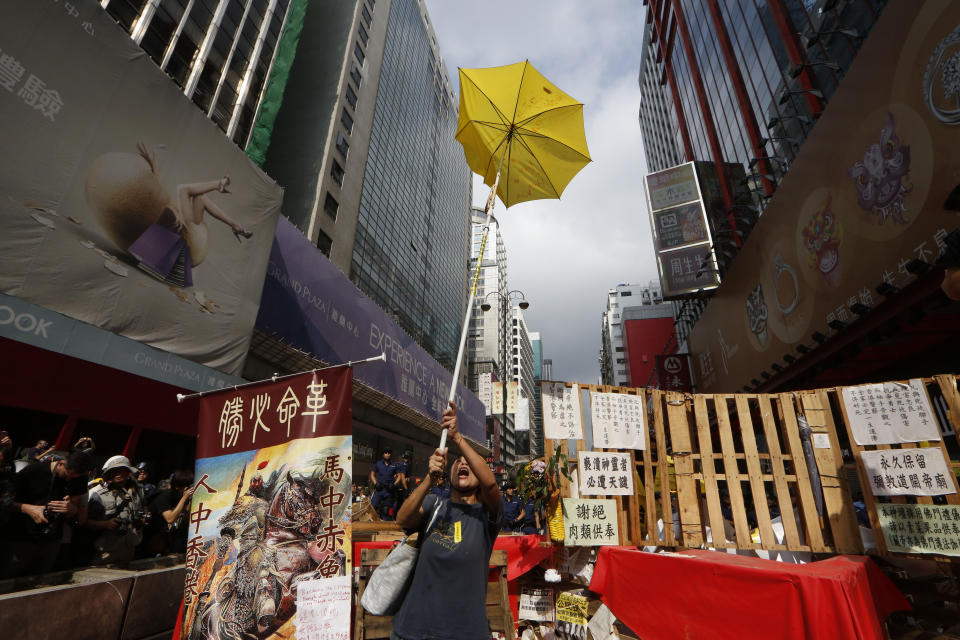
564, 255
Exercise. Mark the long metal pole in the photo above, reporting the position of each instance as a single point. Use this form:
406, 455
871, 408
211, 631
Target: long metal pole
491, 200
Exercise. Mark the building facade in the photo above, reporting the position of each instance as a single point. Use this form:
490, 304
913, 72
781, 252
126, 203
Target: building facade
363, 144
648, 331
536, 402
614, 369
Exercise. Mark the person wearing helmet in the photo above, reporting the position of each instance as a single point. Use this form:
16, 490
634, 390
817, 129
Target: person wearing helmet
116, 513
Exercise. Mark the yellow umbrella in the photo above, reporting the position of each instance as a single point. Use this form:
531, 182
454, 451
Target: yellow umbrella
525, 137
512, 117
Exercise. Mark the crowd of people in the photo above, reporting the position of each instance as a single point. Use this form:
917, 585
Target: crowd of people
390, 482
61, 509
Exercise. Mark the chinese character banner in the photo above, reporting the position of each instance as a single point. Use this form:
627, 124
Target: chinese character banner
590, 523
561, 411
921, 528
116, 185
619, 420
890, 413
270, 509
908, 472
605, 474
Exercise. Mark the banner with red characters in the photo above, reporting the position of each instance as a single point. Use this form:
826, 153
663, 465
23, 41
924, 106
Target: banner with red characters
269, 511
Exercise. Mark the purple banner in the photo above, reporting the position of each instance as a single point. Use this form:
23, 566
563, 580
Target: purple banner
308, 302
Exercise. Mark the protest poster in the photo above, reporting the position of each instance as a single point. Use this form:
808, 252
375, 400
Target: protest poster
571, 615
512, 394
323, 609
561, 411
496, 398
590, 522
619, 420
921, 528
536, 605
890, 413
270, 506
605, 474
485, 391
908, 472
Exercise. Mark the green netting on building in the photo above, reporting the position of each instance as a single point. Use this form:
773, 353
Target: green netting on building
277, 82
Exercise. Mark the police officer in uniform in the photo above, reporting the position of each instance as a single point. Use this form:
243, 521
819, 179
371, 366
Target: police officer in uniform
383, 476
404, 479
512, 508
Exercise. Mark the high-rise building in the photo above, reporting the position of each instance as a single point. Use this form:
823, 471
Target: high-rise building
536, 402
219, 53
364, 145
613, 347
658, 118
521, 358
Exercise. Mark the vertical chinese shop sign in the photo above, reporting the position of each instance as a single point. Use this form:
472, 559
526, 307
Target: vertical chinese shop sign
270, 506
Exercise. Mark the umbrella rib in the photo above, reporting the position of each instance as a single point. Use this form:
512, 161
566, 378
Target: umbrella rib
544, 171
516, 105
526, 133
483, 93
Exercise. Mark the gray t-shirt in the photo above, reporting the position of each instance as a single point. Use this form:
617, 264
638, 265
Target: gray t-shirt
448, 595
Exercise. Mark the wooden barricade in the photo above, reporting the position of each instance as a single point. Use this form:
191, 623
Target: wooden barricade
759, 471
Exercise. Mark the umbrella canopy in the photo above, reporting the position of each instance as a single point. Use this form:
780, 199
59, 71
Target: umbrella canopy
515, 121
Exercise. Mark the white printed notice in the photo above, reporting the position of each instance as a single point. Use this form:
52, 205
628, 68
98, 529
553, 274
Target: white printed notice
619, 421
908, 472
921, 528
561, 411
485, 391
323, 609
590, 522
536, 605
605, 474
890, 413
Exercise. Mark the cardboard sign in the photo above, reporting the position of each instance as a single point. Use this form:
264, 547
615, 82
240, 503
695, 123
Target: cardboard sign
605, 474
561, 411
921, 528
571, 617
619, 421
908, 472
590, 522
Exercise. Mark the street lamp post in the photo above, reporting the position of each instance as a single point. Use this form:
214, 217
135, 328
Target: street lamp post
504, 301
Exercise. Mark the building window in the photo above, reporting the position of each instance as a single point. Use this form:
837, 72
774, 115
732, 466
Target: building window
331, 206
351, 97
336, 171
621, 360
363, 35
366, 14
324, 243
346, 121
358, 52
619, 349
355, 75
626, 293
342, 145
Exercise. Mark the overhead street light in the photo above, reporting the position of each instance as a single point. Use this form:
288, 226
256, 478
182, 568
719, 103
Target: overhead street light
814, 38
779, 120
504, 299
790, 92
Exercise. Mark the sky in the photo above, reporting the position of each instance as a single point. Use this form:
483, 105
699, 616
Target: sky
564, 255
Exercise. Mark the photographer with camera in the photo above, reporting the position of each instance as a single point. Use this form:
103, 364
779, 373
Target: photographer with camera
46, 495
116, 513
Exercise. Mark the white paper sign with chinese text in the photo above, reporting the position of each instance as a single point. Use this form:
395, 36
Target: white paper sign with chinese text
890, 413
619, 421
522, 421
589, 523
536, 605
512, 391
908, 472
485, 391
921, 528
561, 411
605, 474
496, 402
323, 609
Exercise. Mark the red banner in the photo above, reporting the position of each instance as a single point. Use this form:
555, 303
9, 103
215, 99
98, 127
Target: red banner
673, 372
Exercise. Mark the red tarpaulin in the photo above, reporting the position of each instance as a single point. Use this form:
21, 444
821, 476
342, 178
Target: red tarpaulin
713, 595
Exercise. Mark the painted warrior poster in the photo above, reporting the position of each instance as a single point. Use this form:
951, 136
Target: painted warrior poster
269, 512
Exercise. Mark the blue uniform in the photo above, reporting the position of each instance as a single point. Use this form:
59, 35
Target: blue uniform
383, 500
511, 511
529, 518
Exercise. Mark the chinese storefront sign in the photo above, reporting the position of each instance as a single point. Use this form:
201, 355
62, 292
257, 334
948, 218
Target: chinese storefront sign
619, 420
536, 605
512, 393
890, 413
590, 523
571, 617
688, 270
485, 391
673, 372
672, 186
323, 609
561, 411
274, 462
605, 474
908, 472
921, 528
680, 226
496, 402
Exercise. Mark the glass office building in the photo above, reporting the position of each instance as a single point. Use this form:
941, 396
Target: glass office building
218, 51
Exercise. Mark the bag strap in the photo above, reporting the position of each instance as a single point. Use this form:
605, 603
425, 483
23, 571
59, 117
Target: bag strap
433, 517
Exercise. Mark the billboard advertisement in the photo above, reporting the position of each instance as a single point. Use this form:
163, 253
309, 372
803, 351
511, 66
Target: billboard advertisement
308, 302
269, 518
115, 185
865, 196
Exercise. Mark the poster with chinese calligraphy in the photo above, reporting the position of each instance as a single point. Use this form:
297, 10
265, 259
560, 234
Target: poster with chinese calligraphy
908, 472
589, 523
270, 507
561, 411
496, 398
485, 391
921, 528
605, 474
571, 612
536, 605
323, 609
890, 413
619, 420
512, 394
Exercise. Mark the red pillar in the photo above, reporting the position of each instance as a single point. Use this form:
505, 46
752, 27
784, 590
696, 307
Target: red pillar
791, 42
132, 440
65, 437
671, 80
